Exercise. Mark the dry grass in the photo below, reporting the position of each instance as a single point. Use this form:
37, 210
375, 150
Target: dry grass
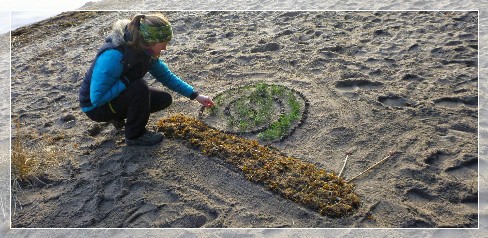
292, 178
40, 159
35, 161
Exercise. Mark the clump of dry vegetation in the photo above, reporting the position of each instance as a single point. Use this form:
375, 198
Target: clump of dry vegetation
300, 181
34, 158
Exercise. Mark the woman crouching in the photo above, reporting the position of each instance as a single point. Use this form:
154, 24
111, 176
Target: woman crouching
114, 89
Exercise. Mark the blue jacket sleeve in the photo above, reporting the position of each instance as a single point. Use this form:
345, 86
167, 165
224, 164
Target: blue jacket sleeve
105, 82
161, 72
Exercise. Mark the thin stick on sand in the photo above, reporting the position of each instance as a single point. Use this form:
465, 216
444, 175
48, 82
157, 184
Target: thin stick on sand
343, 166
372, 166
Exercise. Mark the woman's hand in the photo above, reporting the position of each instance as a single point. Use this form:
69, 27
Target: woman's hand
205, 101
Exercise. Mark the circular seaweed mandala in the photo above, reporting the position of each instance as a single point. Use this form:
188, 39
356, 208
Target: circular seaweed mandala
268, 111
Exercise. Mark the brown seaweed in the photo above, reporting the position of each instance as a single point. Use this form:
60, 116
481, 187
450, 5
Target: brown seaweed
295, 179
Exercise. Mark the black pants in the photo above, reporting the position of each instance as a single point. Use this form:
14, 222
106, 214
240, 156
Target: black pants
135, 104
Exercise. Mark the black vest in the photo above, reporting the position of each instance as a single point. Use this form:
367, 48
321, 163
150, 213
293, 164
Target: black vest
136, 65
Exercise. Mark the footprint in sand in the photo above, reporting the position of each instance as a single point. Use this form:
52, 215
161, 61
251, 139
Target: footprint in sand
419, 193
456, 102
436, 158
354, 85
453, 43
67, 121
412, 77
467, 63
190, 221
464, 128
463, 167
458, 168
396, 101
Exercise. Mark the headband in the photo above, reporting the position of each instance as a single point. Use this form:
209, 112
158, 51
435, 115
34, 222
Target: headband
155, 34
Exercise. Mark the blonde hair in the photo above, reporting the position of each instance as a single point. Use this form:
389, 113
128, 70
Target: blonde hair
154, 20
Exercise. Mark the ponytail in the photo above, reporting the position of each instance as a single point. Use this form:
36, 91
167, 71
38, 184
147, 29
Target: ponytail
136, 41
158, 21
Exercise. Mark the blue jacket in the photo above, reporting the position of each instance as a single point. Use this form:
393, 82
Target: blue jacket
103, 81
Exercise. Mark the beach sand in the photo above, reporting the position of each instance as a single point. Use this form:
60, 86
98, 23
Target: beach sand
377, 82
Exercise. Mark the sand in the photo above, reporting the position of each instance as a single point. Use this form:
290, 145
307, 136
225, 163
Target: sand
331, 5
377, 82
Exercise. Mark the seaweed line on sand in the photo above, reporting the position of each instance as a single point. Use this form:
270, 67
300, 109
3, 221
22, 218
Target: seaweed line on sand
292, 178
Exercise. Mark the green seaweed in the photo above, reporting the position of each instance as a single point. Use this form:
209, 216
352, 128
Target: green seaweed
254, 109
